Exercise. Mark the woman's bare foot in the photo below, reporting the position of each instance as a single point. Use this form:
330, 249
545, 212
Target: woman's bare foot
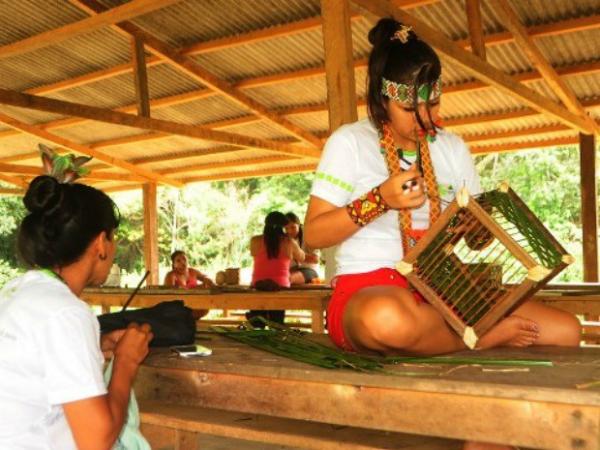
514, 331
484, 446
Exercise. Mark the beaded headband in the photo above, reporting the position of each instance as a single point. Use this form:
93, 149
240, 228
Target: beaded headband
405, 93
65, 168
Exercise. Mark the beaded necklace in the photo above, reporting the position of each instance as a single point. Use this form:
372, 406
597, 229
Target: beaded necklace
388, 148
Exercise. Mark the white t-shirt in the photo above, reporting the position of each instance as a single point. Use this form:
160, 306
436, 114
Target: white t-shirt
352, 164
49, 355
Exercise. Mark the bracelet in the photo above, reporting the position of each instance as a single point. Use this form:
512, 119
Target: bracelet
367, 207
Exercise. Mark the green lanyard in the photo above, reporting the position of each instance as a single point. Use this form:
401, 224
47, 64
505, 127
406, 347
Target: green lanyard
52, 274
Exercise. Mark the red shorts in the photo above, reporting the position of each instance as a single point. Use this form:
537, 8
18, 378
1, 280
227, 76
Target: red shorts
345, 286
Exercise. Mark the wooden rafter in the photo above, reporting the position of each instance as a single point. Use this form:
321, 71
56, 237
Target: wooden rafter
93, 175
116, 162
500, 117
16, 181
473, 64
120, 13
337, 42
474, 137
227, 164
475, 24
470, 86
226, 176
252, 173
186, 64
510, 20
566, 26
584, 23
576, 69
38, 103
498, 148
9, 191
140, 77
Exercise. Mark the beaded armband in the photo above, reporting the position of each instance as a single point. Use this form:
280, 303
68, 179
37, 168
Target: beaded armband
367, 208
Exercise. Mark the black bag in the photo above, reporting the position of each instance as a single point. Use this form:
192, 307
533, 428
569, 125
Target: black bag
172, 322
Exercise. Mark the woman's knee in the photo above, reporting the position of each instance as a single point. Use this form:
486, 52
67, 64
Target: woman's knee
568, 331
384, 320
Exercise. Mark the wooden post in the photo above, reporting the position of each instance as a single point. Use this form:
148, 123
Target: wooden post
589, 206
140, 77
151, 232
341, 87
476, 28
339, 62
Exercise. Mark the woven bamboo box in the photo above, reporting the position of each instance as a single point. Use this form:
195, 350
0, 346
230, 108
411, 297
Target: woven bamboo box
481, 259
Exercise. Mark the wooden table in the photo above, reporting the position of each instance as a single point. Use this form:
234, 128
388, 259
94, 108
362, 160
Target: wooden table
313, 299
536, 407
583, 299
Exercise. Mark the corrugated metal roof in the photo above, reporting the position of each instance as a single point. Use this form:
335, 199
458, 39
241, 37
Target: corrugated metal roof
190, 22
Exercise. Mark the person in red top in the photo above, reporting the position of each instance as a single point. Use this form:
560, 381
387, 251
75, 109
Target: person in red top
273, 252
182, 276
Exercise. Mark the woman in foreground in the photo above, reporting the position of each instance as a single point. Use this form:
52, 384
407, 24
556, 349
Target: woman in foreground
52, 392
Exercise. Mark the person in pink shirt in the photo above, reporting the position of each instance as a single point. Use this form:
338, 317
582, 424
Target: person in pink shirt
183, 276
273, 252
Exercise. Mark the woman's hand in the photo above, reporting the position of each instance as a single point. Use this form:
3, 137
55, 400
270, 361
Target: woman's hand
133, 344
108, 342
399, 192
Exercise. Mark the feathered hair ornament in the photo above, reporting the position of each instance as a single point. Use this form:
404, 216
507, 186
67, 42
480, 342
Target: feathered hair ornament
402, 34
65, 168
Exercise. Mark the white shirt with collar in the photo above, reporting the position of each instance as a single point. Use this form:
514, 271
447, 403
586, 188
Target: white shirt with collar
352, 164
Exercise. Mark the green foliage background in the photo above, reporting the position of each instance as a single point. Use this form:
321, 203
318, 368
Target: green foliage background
214, 222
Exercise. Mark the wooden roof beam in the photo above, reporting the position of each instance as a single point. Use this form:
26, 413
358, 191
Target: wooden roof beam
577, 24
227, 176
510, 20
93, 175
565, 26
513, 146
473, 64
197, 72
576, 69
116, 162
9, 191
252, 174
475, 25
16, 181
228, 164
38, 103
140, 77
337, 42
120, 13
499, 117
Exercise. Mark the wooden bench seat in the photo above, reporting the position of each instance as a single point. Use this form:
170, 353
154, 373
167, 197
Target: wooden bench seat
177, 427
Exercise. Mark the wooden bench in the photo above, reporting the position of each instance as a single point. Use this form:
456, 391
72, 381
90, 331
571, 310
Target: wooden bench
170, 427
532, 407
313, 300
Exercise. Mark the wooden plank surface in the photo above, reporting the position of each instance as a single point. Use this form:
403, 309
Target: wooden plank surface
539, 408
313, 299
292, 433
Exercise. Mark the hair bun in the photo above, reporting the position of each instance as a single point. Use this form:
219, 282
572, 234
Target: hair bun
383, 31
44, 195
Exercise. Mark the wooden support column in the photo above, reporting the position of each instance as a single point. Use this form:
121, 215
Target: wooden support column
589, 206
339, 62
476, 36
140, 77
150, 189
151, 232
339, 71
